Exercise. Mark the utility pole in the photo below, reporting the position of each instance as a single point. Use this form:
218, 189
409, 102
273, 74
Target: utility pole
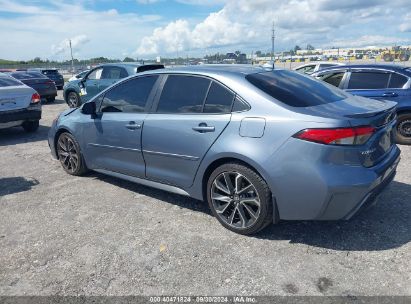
72, 60
272, 45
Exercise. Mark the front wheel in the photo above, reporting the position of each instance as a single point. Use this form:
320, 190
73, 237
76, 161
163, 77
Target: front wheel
239, 198
403, 132
73, 100
69, 154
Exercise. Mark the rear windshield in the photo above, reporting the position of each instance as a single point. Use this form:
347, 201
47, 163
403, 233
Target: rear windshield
8, 82
27, 75
50, 72
295, 89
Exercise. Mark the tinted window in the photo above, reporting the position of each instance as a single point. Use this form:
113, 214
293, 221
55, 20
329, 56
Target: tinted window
368, 80
240, 105
50, 72
183, 94
397, 81
113, 73
307, 69
219, 99
130, 96
96, 74
333, 78
28, 75
326, 65
8, 82
294, 89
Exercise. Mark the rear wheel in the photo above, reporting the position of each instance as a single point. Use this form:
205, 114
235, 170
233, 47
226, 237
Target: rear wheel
51, 99
239, 198
31, 126
73, 100
69, 154
403, 132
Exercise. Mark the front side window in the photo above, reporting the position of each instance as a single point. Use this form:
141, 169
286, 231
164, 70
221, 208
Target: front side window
397, 81
333, 78
183, 94
368, 80
95, 75
130, 96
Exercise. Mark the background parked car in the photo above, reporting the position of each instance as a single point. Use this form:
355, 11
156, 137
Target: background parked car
98, 79
310, 68
387, 82
42, 84
257, 145
54, 75
79, 75
19, 105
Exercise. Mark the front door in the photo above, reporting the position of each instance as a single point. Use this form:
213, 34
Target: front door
91, 85
114, 136
191, 114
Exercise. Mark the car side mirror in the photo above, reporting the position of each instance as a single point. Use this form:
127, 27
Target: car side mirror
89, 108
81, 83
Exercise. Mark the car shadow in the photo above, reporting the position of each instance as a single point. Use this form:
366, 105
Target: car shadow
383, 226
17, 135
11, 185
55, 102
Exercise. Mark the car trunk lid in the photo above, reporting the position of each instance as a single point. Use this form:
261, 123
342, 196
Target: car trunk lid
15, 97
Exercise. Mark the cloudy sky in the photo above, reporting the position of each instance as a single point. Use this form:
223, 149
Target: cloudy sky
150, 28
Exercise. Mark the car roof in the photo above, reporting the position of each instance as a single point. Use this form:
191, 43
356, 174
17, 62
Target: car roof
220, 69
389, 67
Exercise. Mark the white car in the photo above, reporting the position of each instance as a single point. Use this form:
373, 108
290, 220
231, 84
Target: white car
19, 105
310, 68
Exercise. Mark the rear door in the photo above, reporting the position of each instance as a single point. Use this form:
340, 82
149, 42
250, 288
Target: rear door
189, 115
370, 83
113, 137
111, 75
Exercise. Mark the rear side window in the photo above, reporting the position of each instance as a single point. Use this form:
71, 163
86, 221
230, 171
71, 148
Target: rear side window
130, 96
8, 82
219, 99
183, 94
50, 72
113, 73
294, 89
333, 78
397, 81
368, 80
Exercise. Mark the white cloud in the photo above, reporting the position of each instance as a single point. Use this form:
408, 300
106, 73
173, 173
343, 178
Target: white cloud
405, 26
64, 45
245, 24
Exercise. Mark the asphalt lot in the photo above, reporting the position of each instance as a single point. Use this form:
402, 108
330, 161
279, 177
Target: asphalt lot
98, 235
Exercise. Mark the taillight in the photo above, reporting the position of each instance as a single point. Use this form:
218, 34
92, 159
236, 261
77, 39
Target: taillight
339, 136
35, 98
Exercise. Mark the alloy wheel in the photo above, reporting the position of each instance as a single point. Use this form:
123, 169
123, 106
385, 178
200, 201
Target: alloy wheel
68, 154
72, 100
404, 128
235, 200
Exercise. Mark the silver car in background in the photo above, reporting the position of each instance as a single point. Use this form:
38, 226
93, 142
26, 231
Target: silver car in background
259, 146
19, 105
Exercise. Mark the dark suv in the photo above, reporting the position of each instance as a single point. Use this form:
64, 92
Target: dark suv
388, 82
54, 75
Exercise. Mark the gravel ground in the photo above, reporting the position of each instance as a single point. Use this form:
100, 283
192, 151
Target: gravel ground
97, 235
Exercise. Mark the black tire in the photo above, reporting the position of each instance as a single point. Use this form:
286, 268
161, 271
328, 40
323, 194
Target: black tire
403, 129
60, 88
69, 155
73, 99
234, 213
31, 126
51, 99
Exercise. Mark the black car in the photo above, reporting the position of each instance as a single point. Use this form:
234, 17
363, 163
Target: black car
53, 74
42, 84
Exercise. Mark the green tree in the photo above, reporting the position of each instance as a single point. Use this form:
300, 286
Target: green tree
128, 59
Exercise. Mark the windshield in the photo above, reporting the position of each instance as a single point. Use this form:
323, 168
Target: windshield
295, 89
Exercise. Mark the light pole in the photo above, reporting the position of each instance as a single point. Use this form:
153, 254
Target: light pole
72, 60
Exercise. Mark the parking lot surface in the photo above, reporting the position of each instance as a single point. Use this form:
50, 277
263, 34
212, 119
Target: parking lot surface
97, 235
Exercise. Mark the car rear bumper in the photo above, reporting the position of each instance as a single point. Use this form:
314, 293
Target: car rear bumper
28, 114
312, 182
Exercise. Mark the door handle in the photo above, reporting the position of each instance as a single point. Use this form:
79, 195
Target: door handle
133, 126
203, 128
390, 94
